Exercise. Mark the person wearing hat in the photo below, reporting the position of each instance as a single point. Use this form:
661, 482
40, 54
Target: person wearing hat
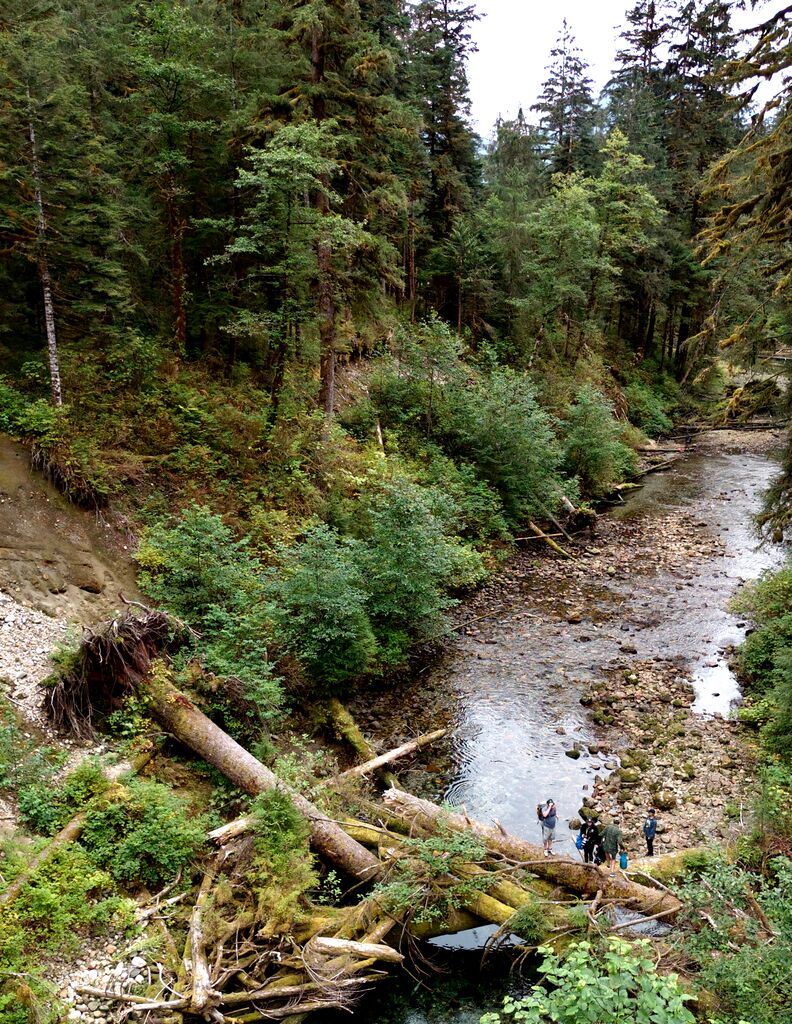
546, 813
649, 831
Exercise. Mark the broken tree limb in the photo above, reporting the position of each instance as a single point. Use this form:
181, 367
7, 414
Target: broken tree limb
204, 997
573, 875
548, 540
347, 729
386, 758
376, 951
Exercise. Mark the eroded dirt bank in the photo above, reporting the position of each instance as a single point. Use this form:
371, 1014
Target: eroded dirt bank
619, 657
60, 567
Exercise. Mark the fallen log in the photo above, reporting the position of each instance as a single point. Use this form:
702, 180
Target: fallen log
389, 756
574, 875
548, 540
177, 713
373, 950
347, 729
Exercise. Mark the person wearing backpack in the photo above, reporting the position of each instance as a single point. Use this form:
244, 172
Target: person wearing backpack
546, 813
590, 839
649, 831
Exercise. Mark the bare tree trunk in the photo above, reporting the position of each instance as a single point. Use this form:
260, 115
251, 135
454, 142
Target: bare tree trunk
176, 227
43, 267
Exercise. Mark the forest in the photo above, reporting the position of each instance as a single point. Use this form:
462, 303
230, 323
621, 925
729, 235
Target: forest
320, 359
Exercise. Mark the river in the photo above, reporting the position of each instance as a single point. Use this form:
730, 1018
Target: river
655, 582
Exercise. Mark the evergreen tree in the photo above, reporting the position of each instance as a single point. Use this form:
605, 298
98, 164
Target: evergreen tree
566, 107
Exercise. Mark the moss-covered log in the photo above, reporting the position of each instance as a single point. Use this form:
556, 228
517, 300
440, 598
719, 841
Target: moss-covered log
573, 875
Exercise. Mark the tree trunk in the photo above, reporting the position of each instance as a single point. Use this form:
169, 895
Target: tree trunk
183, 719
43, 267
583, 878
176, 228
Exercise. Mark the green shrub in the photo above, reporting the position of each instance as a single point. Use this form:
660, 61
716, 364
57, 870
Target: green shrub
529, 922
196, 569
750, 977
593, 450
409, 562
319, 606
143, 836
495, 424
647, 409
193, 565
617, 983
479, 508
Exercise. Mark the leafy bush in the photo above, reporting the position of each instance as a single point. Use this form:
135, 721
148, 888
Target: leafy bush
593, 449
495, 423
529, 922
749, 977
194, 565
765, 657
409, 562
196, 569
319, 606
144, 835
647, 409
479, 508
66, 900
617, 983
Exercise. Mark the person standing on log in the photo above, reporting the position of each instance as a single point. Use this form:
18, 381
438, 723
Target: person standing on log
649, 831
546, 813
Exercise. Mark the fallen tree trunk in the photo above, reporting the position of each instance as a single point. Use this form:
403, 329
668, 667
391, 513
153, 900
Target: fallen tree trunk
177, 713
548, 540
574, 875
347, 729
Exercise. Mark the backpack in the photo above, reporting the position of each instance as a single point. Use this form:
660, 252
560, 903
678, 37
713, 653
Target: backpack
579, 840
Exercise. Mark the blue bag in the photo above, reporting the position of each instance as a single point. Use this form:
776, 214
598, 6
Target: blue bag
623, 861
579, 841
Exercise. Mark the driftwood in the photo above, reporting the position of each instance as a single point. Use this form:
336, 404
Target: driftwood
347, 729
391, 755
372, 950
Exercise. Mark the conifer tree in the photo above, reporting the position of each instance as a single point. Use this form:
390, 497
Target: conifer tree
566, 107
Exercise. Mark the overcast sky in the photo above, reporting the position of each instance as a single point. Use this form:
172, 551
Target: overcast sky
515, 38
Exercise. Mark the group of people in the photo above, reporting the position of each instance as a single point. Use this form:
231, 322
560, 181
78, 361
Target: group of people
598, 844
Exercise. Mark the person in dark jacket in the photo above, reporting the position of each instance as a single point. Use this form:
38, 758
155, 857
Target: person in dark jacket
612, 843
590, 835
547, 816
649, 831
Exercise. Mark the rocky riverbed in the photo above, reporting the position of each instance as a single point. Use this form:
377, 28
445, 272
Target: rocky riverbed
563, 671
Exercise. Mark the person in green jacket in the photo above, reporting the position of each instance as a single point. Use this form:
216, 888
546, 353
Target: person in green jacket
612, 842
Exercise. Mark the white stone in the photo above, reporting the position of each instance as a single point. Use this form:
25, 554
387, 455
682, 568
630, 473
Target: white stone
138, 961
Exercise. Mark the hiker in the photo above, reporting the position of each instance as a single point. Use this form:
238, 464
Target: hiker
590, 835
546, 813
649, 831
612, 842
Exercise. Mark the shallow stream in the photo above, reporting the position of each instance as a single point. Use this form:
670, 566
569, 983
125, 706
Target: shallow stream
510, 690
